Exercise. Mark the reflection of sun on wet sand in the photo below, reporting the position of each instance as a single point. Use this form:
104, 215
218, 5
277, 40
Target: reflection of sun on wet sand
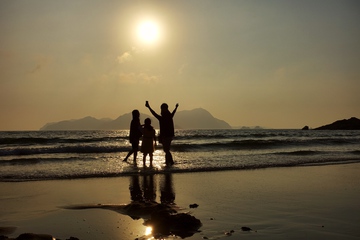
163, 218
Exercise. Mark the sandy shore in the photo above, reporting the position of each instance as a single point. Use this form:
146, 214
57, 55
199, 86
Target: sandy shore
312, 202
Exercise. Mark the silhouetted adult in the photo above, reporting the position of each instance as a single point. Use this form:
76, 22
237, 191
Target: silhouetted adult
135, 135
166, 129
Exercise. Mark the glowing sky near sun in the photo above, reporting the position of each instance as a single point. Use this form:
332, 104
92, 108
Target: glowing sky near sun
277, 63
148, 31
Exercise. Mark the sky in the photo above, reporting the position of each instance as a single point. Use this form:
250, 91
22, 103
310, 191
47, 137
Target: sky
273, 63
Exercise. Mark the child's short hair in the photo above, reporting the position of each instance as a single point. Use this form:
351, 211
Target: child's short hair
147, 121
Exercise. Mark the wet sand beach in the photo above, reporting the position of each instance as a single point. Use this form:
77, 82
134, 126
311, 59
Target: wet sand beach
309, 202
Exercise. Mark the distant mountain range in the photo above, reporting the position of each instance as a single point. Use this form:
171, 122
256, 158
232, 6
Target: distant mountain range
188, 119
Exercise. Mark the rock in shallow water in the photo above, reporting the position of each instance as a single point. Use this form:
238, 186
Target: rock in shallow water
246, 229
193, 205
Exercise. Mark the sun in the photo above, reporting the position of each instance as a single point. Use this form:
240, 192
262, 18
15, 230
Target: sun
148, 31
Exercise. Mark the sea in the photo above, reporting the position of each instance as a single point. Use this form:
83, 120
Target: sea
50, 155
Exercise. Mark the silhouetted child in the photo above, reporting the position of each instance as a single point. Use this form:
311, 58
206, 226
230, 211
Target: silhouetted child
135, 135
148, 141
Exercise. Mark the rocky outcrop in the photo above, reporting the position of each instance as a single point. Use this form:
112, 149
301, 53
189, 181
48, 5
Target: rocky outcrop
346, 124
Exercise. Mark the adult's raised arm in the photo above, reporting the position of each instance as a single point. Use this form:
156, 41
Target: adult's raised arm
151, 110
174, 111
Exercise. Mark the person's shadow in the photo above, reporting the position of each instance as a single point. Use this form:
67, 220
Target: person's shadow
164, 218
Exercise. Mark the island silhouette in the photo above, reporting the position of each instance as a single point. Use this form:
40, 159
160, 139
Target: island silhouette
198, 118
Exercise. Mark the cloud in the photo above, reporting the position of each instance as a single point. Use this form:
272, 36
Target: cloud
129, 78
128, 55
125, 57
136, 78
145, 78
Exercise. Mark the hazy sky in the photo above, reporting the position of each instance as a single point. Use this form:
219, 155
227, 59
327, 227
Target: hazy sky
273, 63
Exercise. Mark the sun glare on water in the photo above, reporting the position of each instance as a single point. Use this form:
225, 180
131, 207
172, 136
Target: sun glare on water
148, 31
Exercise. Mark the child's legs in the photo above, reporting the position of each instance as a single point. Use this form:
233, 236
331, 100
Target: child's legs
144, 158
151, 158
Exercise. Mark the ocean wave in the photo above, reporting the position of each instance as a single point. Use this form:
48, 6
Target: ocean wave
39, 160
62, 149
19, 177
228, 134
301, 153
249, 144
101, 146
20, 141
27, 156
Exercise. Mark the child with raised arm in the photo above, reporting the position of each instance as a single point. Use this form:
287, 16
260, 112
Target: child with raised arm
148, 141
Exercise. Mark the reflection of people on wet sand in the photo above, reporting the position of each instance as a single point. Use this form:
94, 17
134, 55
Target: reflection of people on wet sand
163, 218
167, 190
136, 194
146, 192
166, 129
148, 141
149, 188
135, 135
164, 222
